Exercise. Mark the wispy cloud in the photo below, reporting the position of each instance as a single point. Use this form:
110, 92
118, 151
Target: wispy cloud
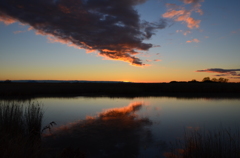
180, 13
184, 32
236, 31
111, 27
193, 40
17, 32
222, 72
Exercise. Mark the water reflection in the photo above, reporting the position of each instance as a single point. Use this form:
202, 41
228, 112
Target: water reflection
117, 132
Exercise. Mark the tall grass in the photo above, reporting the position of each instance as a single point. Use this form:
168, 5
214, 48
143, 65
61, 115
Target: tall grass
221, 143
33, 119
20, 129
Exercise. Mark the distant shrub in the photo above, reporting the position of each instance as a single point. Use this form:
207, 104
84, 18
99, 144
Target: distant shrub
7, 81
173, 82
193, 81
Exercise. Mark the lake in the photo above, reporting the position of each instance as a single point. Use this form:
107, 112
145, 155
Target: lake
137, 127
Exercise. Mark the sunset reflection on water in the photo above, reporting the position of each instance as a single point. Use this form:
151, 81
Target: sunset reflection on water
115, 132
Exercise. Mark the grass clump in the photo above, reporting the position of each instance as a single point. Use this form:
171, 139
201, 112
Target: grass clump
222, 143
20, 129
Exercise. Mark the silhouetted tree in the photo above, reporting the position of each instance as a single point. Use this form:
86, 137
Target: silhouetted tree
193, 81
206, 79
222, 80
214, 79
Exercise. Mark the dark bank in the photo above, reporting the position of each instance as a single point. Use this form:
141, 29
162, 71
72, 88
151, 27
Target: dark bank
119, 89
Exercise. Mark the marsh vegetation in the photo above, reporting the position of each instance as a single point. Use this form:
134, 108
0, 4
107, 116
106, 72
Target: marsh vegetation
219, 143
20, 129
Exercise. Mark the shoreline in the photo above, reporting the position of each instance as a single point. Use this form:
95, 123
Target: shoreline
181, 90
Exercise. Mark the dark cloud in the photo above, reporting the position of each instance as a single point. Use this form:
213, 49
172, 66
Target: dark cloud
112, 27
222, 72
220, 75
219, 70
235, 77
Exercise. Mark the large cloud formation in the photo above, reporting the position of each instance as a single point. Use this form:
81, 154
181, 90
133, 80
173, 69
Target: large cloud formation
222, 72
112, 27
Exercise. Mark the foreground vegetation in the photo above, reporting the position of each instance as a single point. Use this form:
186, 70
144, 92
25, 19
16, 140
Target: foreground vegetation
221, 143
20, 130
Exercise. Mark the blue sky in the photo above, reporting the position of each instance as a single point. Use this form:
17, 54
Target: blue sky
178, 50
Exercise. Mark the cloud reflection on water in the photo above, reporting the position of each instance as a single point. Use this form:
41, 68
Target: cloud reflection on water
117, 132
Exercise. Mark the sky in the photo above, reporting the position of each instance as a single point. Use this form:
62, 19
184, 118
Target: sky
119, 40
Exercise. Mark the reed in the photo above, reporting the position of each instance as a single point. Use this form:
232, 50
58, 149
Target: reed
221, 143
33, 119
20, 130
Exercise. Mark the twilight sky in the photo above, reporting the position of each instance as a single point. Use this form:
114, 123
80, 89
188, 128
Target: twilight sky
119, 40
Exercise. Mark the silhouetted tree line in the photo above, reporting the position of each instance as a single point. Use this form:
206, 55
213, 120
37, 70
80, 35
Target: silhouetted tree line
220, 80
205, 80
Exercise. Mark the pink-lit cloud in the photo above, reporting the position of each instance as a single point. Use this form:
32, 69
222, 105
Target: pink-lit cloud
184, 32
53, 39
236, 31
7, 20
30, 28
180, 13
193, 40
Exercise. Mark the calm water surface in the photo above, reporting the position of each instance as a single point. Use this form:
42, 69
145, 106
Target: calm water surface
169, 118
166, 113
